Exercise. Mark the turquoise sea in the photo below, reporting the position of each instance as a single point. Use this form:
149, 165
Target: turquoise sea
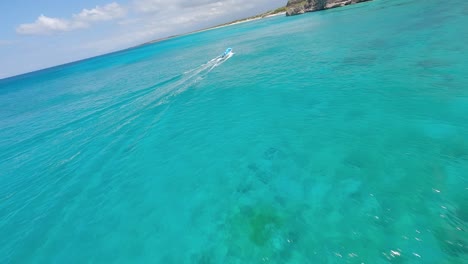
332, 137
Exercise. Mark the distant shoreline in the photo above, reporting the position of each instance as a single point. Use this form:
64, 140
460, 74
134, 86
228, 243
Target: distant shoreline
236, 22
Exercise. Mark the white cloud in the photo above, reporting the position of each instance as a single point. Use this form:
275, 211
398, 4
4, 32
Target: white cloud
153, 6
107, 12
153, 19
148, 6
47, 25
43, 25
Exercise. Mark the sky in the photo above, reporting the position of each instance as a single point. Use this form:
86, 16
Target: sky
37, 34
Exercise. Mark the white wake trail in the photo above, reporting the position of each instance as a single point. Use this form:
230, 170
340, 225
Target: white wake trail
191, 78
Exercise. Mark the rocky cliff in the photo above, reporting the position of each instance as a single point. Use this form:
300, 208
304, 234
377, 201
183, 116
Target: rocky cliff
296, 7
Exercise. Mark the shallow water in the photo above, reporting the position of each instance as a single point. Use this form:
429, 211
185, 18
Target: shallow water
333, 137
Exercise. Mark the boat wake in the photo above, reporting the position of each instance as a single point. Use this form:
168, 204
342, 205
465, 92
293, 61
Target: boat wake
191, 77
137, 102
210, 65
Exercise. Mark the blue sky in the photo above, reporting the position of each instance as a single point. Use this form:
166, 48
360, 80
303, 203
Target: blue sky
36, 34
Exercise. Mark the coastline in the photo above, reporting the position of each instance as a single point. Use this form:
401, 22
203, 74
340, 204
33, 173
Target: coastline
232, 23
236, 23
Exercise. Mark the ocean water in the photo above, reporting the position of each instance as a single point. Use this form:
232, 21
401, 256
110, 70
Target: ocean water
332, 137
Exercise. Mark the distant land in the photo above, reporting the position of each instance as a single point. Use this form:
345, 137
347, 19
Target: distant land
293, 7
297, 7
278, 11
